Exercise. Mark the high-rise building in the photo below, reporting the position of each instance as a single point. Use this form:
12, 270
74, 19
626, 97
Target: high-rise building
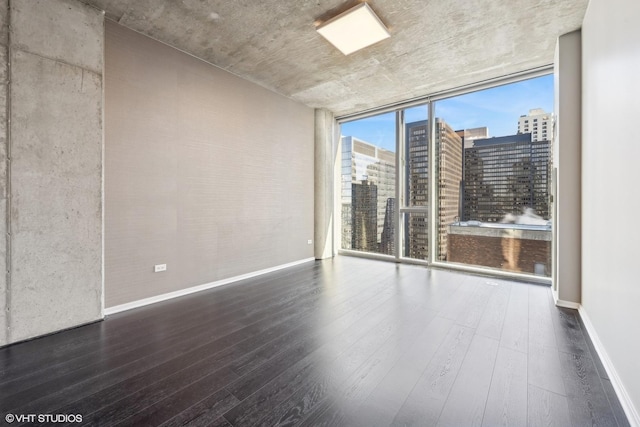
388, 236
449, 155
504, 175
470, 135
450, 152
364, 207
538, 123
368, 182
416, 238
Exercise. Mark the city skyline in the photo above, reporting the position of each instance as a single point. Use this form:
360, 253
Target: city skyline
498, 108
492, 163
488, 182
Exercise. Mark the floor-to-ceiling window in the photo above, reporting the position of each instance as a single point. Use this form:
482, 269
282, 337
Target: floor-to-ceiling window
494, 177
460, 180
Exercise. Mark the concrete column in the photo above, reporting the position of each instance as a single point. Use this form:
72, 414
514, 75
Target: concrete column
567, 171
4, 84
337, 196
55, 168
325, 163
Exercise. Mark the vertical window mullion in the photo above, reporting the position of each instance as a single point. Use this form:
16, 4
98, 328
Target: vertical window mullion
400, 182
432, 213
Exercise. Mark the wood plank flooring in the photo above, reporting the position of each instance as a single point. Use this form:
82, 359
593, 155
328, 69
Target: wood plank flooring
342, 342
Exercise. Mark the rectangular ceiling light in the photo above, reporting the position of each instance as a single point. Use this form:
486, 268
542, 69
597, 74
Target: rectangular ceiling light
354, 29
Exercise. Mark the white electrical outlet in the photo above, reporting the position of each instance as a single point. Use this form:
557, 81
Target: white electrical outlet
309, 242
159, 267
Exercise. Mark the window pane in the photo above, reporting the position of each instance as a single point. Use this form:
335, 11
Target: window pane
494, 177
416, 238
416, 183
369, 184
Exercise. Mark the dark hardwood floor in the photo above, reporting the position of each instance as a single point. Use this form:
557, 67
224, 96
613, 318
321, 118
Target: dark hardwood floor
342, 342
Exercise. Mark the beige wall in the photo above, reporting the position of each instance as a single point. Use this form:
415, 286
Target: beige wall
205, 172
610, 202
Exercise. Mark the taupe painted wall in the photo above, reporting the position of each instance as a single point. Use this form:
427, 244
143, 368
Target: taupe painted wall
54, 176
610, 202
205, 172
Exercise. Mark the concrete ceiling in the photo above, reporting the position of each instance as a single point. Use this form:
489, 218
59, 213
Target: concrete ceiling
435, 44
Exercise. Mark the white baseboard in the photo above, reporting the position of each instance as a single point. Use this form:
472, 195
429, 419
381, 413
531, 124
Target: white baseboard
187, 291
625, 400
567, 304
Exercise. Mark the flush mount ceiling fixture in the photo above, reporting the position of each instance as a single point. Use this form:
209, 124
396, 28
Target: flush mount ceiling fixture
354, 29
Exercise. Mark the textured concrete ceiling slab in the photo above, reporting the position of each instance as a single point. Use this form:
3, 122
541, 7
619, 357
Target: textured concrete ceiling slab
435, 44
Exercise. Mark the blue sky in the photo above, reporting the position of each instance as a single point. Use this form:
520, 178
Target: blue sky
498, 108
